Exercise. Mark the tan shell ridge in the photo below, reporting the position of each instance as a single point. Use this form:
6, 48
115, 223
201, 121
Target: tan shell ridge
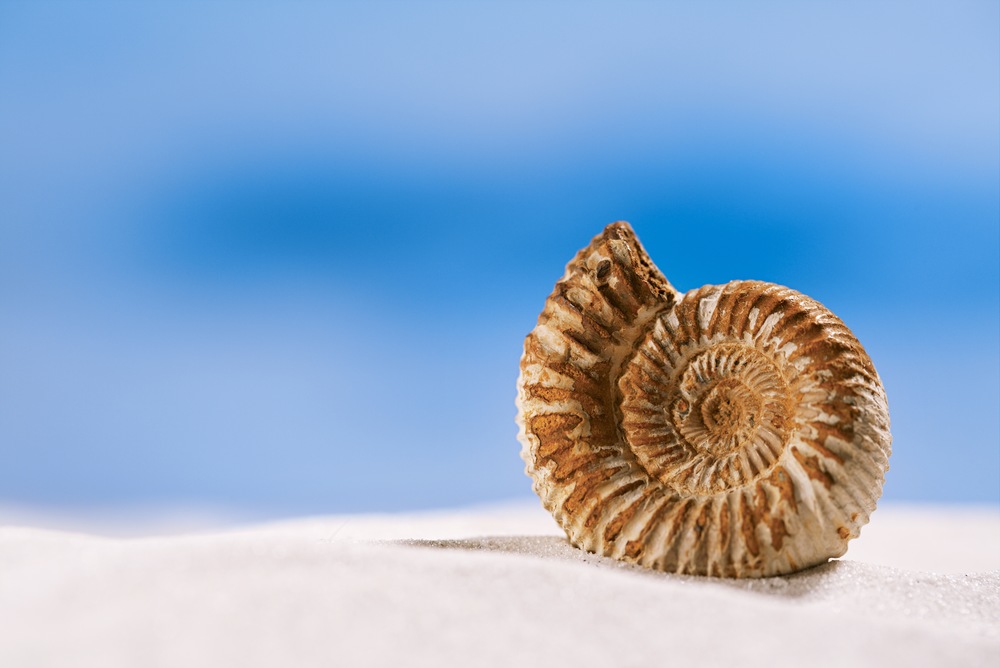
737, 430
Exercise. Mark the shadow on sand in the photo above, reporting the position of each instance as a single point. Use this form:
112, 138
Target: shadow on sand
557, 548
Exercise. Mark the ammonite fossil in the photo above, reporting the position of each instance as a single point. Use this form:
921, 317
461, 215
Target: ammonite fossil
736, 430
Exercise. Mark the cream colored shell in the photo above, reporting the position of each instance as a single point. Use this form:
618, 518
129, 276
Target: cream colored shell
737, 430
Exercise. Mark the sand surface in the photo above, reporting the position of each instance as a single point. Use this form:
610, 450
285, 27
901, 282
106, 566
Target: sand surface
491, 586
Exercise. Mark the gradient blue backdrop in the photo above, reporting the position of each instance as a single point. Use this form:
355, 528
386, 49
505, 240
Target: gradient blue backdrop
281, 257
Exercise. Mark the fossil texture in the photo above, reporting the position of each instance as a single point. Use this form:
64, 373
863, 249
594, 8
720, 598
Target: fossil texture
737, 430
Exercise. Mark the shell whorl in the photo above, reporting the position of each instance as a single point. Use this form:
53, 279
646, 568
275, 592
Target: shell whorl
737, 430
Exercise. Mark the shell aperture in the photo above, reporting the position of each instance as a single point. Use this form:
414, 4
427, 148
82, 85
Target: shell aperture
736, 430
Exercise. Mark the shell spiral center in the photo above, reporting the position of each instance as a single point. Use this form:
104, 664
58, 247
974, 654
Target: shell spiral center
707, 416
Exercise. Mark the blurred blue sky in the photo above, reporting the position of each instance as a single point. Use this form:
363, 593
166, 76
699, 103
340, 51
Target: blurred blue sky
281, 257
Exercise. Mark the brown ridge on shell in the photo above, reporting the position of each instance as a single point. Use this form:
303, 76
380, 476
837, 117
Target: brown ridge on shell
737, 430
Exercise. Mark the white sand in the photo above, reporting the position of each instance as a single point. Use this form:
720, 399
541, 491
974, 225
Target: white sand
488, 587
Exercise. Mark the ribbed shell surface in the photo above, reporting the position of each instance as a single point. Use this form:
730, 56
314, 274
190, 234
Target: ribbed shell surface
737, 430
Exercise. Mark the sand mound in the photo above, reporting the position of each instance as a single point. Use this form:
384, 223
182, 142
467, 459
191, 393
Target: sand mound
432, 590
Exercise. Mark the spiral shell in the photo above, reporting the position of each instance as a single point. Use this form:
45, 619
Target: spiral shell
737, 430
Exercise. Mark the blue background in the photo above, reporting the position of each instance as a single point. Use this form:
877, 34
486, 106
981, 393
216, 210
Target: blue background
281, 258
